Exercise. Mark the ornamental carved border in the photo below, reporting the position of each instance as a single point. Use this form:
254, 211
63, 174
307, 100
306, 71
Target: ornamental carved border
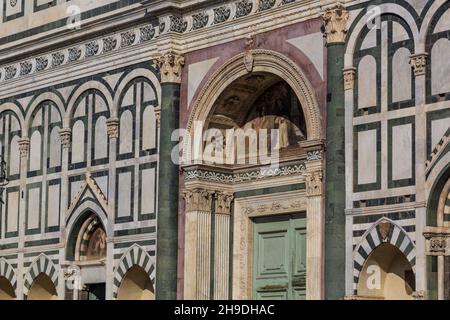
169, 23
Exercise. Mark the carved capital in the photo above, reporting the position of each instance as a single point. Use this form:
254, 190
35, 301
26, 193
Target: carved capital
419, 63
437, 239
349, 78
65, 135
112, 127
335, 23
24, 147
170, 65
197, 200
314, 183
223, 203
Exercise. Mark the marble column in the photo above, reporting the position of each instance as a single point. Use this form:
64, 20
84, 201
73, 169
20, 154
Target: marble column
24, 147
418, 63
197, 254
314, 228
335, 25
113, 135
222, 215
170, 65
65, 135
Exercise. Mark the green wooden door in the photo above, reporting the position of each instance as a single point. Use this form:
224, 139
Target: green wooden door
279, 263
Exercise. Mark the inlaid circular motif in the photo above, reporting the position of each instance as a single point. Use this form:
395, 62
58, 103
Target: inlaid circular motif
13, 3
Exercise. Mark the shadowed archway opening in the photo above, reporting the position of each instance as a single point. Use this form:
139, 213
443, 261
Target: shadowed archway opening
387, 274
6, 290
42, 288
136, 285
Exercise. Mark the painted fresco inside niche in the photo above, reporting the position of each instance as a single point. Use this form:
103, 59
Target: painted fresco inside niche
97, 245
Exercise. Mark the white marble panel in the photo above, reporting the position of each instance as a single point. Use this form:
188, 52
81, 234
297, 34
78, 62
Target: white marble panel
13, 211
35, 151
367, 80
148, 128
148, 191
53, 205
101, 139
440, 67
401, 75
124, 195
78, 142
126, 132
438, 128
34, 203
402, 152
367, 156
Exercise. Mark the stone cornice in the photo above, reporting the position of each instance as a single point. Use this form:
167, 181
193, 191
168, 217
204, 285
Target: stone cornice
230, 177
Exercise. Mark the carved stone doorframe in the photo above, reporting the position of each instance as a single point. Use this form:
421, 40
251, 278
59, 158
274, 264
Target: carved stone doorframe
212, 209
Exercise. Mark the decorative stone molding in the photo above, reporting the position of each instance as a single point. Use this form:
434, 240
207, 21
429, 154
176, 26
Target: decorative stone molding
314, 155
170, 65
223, 203
419, 63
253, 175
65, 136
248, 56
92, 184
275, 207
78, 52
191, 21
112, 127
437, 150
314, 183
335, 23
349, 78
437, 241
24, 147
197, 200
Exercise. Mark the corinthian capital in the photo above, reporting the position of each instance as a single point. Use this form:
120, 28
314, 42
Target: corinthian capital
112, 127
419, 63
24, 147
170, 65
65, 135
335, 23
223, 203
197, 200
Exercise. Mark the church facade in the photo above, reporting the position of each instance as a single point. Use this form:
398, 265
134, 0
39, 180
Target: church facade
242, 149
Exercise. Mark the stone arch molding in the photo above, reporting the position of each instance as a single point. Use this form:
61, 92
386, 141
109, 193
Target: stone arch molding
7, 271
16, 110
36, 103
42, 264
135, 255
264, 61
383, 231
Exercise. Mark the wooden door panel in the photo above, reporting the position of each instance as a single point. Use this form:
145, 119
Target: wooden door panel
279, 263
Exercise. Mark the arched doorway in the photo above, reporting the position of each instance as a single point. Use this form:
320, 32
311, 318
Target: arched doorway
136, 285
86, 252
258, 125
387, 274
6, 290
42, 288
437, 235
